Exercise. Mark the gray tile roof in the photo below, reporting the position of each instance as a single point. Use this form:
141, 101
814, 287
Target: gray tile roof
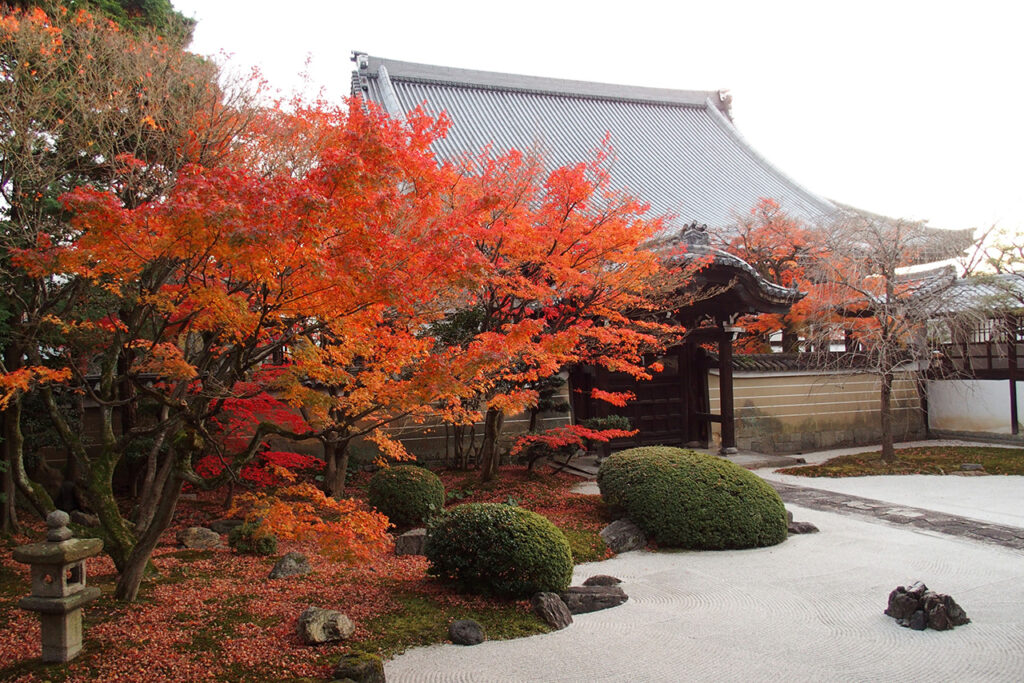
1004, 292
676, 149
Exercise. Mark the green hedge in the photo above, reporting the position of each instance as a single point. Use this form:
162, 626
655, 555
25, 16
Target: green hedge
498, 549
685, 499
407, 494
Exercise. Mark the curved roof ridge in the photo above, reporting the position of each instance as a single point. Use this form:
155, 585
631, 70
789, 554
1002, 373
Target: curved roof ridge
494, 80
388, 94
826, 206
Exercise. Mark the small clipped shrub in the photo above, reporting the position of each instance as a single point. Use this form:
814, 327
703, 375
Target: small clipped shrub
498, 549
406, 494
617, 422
248, 539
685, 499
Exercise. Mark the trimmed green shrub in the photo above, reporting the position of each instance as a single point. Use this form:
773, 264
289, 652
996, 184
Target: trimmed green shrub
608, 422
407, 494
498, 549
246, 539
685, 499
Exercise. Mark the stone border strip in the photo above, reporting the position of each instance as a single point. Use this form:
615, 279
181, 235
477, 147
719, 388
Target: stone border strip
829, 501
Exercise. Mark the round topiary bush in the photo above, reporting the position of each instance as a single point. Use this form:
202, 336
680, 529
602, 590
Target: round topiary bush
685, 499
498, 549
407, 494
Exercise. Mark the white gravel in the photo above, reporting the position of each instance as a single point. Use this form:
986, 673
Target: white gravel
809, 609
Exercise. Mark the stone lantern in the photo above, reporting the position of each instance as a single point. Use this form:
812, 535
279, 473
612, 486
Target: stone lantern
58, 586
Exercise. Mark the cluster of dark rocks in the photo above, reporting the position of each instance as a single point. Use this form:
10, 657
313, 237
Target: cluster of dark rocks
914, 606
554, 609
597, 593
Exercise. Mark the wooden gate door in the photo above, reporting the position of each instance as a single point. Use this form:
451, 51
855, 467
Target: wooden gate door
665, 407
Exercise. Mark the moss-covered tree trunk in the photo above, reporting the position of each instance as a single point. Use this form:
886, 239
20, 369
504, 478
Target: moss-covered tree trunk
14, 444
489, 456
8, 511
137, 560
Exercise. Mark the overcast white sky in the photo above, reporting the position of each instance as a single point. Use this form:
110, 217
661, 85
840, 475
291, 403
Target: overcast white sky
909, 109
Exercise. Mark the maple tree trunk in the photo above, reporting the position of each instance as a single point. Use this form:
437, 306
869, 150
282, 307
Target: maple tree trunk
119, 538
137, 561
14, 442
493, 422
336, 455
885, 409
8, 512
148, 501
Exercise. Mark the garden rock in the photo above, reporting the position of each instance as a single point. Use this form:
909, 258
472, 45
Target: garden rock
318, 626
623, 535
602, 580
198, 538
466, 632
550, 608
916, 607
85, 519
291, 564
225, 526
411, 542
360, 667
801, 528
583, 599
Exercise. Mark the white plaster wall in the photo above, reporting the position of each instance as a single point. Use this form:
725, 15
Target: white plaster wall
971, 405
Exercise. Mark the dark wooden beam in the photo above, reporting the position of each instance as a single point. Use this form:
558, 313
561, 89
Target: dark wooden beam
725, 393
1012, 325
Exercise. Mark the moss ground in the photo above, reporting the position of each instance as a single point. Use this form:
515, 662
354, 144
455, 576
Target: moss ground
938, 460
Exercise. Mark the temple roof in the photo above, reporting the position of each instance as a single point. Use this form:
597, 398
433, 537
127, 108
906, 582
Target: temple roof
1003, 293
675, 149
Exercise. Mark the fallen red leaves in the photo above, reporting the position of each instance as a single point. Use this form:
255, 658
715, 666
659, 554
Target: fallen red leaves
215, 615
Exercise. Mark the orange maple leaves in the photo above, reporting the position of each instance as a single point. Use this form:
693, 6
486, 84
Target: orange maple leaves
781, 249
344, 529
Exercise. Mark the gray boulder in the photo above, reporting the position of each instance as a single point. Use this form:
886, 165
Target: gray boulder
802, 528
550, 608
602, 580
198, 538
291, 564
466, 632
360, 667
583, 599
411, 542
623, 535
318, 626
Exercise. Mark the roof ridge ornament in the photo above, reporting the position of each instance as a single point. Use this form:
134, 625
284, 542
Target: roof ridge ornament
696, 235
